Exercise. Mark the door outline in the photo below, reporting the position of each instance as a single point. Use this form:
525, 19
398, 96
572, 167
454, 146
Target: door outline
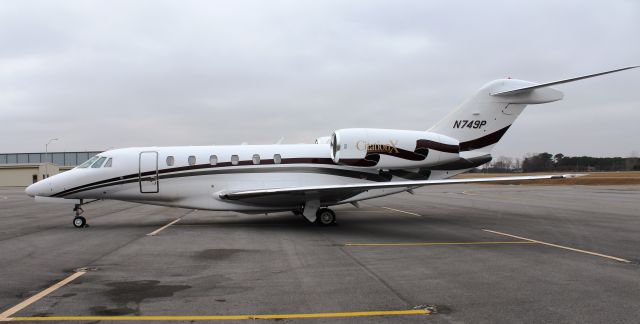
150, 178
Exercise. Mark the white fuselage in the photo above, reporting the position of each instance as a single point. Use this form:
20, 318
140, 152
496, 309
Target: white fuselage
199, 174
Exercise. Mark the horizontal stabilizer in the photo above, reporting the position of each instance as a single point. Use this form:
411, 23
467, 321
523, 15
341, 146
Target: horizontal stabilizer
537, 86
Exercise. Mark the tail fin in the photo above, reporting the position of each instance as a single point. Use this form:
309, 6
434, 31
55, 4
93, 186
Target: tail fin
480, 122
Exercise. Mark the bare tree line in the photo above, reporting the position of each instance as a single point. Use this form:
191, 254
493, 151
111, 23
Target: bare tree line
545, 162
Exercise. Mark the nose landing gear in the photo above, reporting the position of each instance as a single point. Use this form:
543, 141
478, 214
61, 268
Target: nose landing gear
79, 221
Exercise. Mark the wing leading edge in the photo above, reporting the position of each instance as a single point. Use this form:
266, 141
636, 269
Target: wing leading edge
336, 193
548, 84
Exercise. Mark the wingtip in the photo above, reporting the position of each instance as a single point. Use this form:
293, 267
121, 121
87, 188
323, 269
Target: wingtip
630, 67
573, 175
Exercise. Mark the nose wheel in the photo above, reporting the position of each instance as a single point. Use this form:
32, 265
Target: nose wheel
79, 221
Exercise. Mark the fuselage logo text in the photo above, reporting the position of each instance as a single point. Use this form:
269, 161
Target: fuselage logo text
378, 148
469, 123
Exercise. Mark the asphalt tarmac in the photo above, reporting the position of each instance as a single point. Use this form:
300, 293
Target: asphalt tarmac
448, 254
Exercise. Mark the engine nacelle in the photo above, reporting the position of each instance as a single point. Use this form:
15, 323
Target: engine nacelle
392, 149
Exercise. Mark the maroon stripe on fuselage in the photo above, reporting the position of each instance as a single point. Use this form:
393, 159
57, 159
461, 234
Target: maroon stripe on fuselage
483, 141
437, 146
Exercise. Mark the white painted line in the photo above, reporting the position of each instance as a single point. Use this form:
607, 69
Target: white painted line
6, 314
435, 243
560, 246
402, 211
470, 193
154, 233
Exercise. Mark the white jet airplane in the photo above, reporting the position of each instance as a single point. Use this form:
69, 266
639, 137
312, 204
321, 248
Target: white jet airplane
351, 165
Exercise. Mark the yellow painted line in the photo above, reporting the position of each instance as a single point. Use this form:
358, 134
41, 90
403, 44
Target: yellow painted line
560, 246
436, 243
361, 211
5, 315
154, 233
402, 211
223, 317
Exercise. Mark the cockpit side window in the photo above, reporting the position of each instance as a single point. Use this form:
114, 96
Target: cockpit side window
88, 162
108, 163
98, 163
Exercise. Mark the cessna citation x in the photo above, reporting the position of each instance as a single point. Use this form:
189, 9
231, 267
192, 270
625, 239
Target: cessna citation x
351, 165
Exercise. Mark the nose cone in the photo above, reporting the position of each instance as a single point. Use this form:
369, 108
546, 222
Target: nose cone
31, 190
40, 188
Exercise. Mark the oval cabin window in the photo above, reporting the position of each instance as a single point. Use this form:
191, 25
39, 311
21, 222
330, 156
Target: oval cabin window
213, 160
256, 159
234, 159
192, 160
170, 160
277, 159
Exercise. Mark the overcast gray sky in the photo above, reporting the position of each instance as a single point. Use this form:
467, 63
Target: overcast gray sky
108, 74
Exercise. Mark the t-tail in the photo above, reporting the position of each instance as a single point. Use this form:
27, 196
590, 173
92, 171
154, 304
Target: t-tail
480, 122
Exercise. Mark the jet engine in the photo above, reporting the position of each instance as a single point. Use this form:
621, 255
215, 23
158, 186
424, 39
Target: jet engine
392, 149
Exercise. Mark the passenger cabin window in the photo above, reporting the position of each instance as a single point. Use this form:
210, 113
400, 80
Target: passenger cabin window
192, 160
98, 163
213, 160
108, 163
277, 159
88, 162
170, 160
256, 159
234, 159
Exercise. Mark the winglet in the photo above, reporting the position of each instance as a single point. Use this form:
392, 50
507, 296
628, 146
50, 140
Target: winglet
568, 176
548, 84
574, 175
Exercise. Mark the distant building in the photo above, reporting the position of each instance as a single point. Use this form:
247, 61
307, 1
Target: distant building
23, 169
58, 158
22, 175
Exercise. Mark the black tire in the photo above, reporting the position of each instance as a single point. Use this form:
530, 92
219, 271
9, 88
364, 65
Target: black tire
325, 217
79, 222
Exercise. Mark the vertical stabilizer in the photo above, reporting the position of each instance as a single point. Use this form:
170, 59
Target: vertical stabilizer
480, 122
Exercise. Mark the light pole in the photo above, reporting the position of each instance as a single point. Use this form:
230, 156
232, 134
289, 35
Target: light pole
46, 152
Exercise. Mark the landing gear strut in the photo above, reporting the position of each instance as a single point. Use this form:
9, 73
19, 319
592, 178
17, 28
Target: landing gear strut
79, 221
325, 217
313, 213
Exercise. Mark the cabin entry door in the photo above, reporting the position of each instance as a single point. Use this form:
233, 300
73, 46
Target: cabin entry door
148, 172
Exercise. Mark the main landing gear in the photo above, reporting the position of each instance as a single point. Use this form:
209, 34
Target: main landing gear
322, 217
325, 217
79, 221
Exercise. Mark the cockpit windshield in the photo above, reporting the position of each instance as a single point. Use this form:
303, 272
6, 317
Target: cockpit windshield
98, 163
88, 162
